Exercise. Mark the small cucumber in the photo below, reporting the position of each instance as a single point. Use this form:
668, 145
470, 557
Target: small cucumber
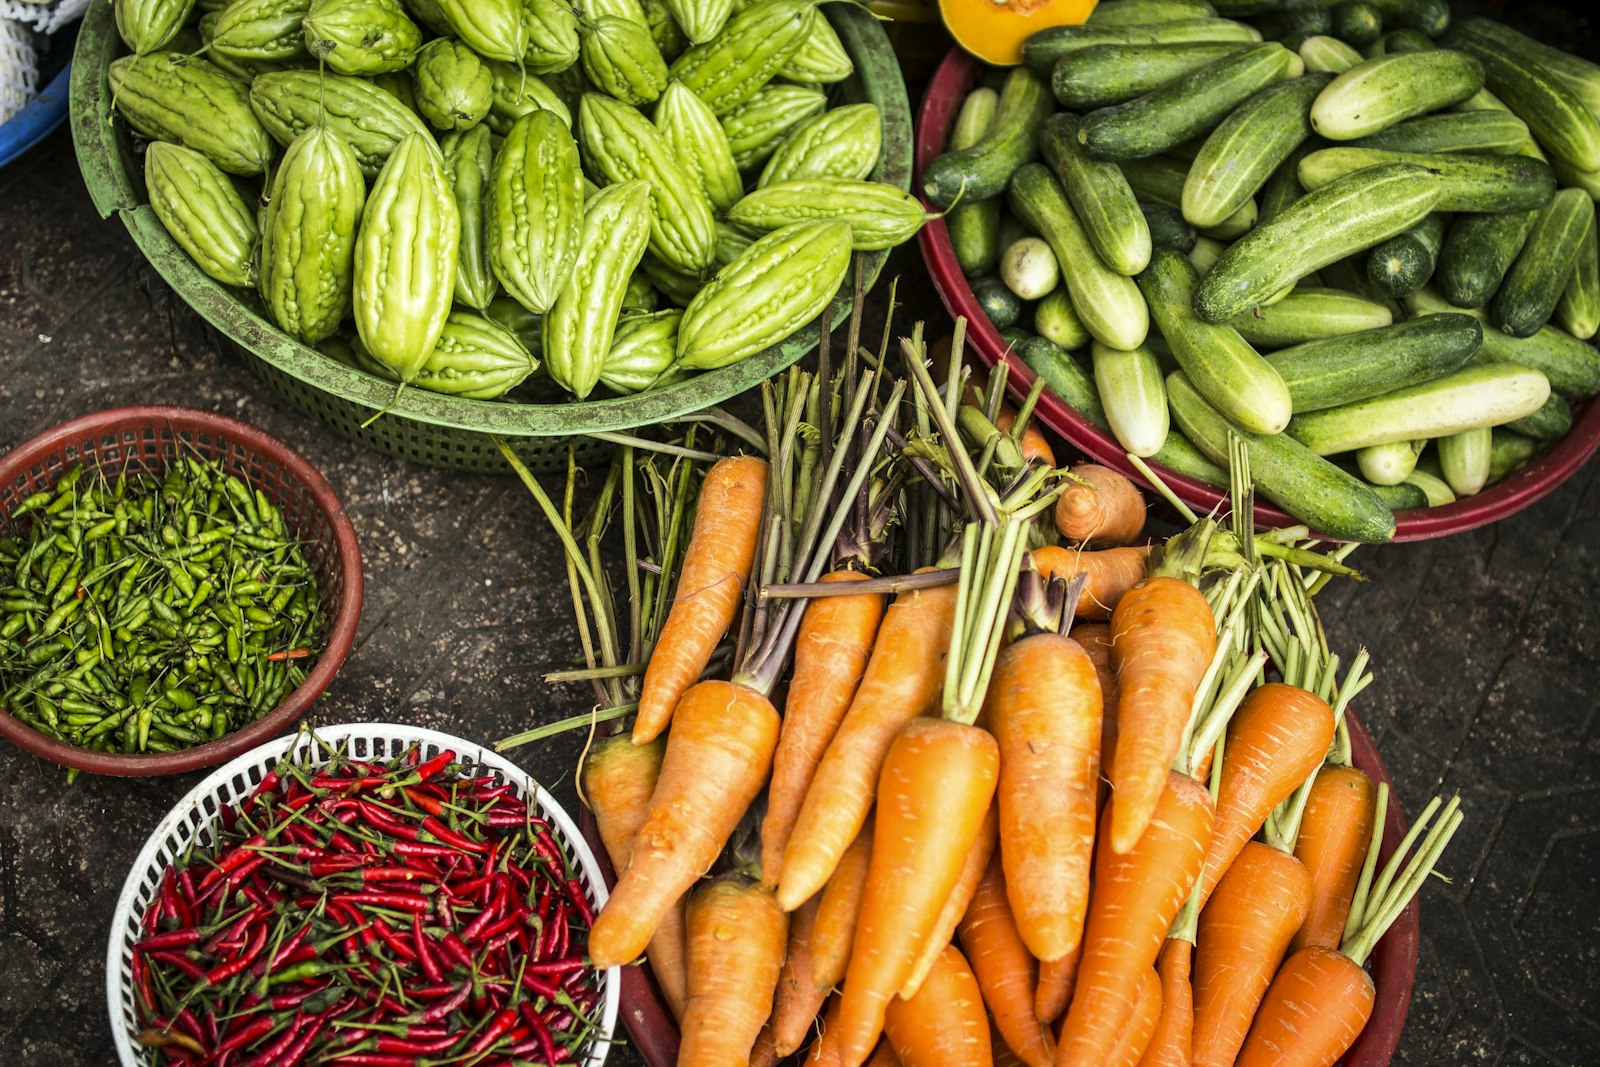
1552, 421
1144, 12
1329, 55
1065, 377
1579, 310
1179, 454
1355, 22
1105, 74
1168, 228
982, 170
1205, 253
1509, 452
1160, 180
1480, 394
1219, 362
1304, 484
1133, 396
1309, 314
1464, 457
1478, 249
1571, 365
1388, 464
974, 225
1532, 287
1467, 182
1558, 117
1428, 17
1099, 195
1240, 155
1404, 263
998, 302
1587, 180
1055, 319
1492, 132
1378, 93
1357, 366
1029, 268
1108, 303
1402, 497
1350, 275
1295, 21
1041, 50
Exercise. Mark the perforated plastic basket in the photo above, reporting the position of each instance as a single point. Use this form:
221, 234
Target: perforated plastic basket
195, 817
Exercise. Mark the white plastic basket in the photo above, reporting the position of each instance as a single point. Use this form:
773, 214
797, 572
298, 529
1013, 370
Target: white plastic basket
196, 814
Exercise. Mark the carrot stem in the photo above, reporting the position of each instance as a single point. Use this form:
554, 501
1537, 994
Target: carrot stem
1363, 889
711, 416
539, 733
977, 493
1164, 489
666, 447
1398, 885
898, 583
990, 560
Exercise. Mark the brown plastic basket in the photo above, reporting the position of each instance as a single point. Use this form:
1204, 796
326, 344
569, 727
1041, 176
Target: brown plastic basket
144, 439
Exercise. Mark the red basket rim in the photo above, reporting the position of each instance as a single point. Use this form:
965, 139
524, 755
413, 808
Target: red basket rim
346, 612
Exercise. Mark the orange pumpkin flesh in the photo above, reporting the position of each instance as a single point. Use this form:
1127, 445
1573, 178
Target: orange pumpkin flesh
994, 32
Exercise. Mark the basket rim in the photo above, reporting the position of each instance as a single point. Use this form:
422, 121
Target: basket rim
345, 613
113, 190
118, 967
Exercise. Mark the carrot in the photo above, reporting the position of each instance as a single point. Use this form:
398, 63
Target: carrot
799, 1000
840, 903
1141, 1026
1163, 636
1003, 1056
1279, 735
955, 905
1095, 637
736, 942
1005, 970
1244, 930
711, 580
902, 681
824, 1050
1334, 832
1101, 509
1044, 708
716, 762
1136, 896
1108, 574
935, 790
884, 1056
830, 655
1056, 979
1170, 1044
765, 1054
944, 1025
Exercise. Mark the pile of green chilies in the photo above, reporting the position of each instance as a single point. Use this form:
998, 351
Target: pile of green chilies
143, 613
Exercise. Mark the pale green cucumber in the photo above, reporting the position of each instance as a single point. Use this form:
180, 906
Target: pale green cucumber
1579, 309
1308, 314
1388, 464
1432, 486
1133, 395
1055, 319
1465, 459
1029, 268
1327, 55
1467, 182
1571, 365
1378, 93
1241, 154
1357, 366
1099, 195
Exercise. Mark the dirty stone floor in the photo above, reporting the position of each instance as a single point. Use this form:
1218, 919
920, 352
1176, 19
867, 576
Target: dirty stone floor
1485, 646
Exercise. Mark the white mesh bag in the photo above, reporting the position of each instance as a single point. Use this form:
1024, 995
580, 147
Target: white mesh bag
19, 74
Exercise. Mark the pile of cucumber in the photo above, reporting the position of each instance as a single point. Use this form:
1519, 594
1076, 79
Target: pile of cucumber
1358, 235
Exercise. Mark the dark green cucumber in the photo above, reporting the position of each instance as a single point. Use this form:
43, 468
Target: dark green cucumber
1404, 263
1180, 454
1428, 17
1295, 20
1350, 274
1246, 9
982, 170
1041, 50
1405, 40
1145, 12
1183, 108
1510, 451
1558, 117
974, 225
1160, 180
1571, 365
1015, 337
1549, 423
1467, 181
1492, 132
1532, 287
1402, 497
1284, 188
1241, 154
1355, 366
1309, 314
1100, 196
1065, 377
1478, 250
1356, 22
1304, 484
1580, 75
1003, 307
1579, 310
1106, 74
1168, 228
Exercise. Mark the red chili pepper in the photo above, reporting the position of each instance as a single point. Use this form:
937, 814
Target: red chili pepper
441, 906
541, 1033
379, 819
576, 895
376, 1059
431, 804
419, 848
539, 986
435, 764
342, 863
190, 969
425, 957
452, 947
287, 1001
441, 1008
397, 874
412, 902
248, 1034
415, 1046
251, 952
435, 826
502, 1023
170, 939
567, 966
288, 653
389, 937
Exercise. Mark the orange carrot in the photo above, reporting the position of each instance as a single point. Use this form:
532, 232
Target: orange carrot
711, 580
716, 762
937, 784
765, 1054
830, 655
1170, 1044
1334, 832
1163, 636
1101, 510
902, 681
1056, 979
1003, 1056
1279, 735
736, 941
835, 929
1244, 930
1005, 970
1136, 896
944, 1025
1095, 637
1044, 708
884, 1056
824, 1050
1141, 1026
799, 1000
1317, 1006
955, 905
1107, 574
1033, 444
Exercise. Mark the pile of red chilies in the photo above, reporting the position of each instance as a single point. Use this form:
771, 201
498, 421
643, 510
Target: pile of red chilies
370, 915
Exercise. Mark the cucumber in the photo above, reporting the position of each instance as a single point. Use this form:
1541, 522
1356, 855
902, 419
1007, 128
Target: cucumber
1432, 486
1532, 287
1168, 228
1055, 319
1099, 195
1133, 396
1105, 74
1355, 22
1478, 249
1041, 50
1015, 337
974, 225
1329, 55
1587, 180
1405, 40
1353, 212
1550, 422
982, 170
1180, 454
1308, 315
1183, 108
1558, 117
1029, 269
998, 302
1246, 9
1578, 312
1241, 154
1388, 464
1108, 303
1357, 366
1571, 365
1221, 364
1428, 17
1205, 253
1464, 457
1160, 180
1284, 188
1143, 12
1578, 74
1467, 182
1404, 263
1350, 274
1378, 93
1065, 377
1402, 497
1304, 484
1509, 451
1295, 21
1479, 394
1492, 132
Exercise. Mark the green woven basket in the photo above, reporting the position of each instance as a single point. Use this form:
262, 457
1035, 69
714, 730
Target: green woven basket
445, 431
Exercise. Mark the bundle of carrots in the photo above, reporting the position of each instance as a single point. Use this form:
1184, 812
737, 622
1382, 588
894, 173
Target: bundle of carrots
1042, 788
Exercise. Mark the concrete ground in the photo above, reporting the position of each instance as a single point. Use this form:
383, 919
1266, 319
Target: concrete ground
1485, 647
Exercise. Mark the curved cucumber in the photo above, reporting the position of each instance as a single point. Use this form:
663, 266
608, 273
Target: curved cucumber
1357, 366
1464, 458
1055, 319
1160, 180
1402, 497
1571, 365
1466, 182
1284, 188
1064, 376
1491, 131
1145, 12
1309, 314
1478, 249
1378, 93
1510, 451
1532, 287
1330, 55
1355, 22
1134, 397
1099, 194
1168, 228
1580, 75
974, 225
982, 170
1304, 484
1388, 464
1551, 421
1404, 263
1428, 17
1579, 309
1105, 74
998, 302
1241, 154
1558, 117
1181, 455
1041, 50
